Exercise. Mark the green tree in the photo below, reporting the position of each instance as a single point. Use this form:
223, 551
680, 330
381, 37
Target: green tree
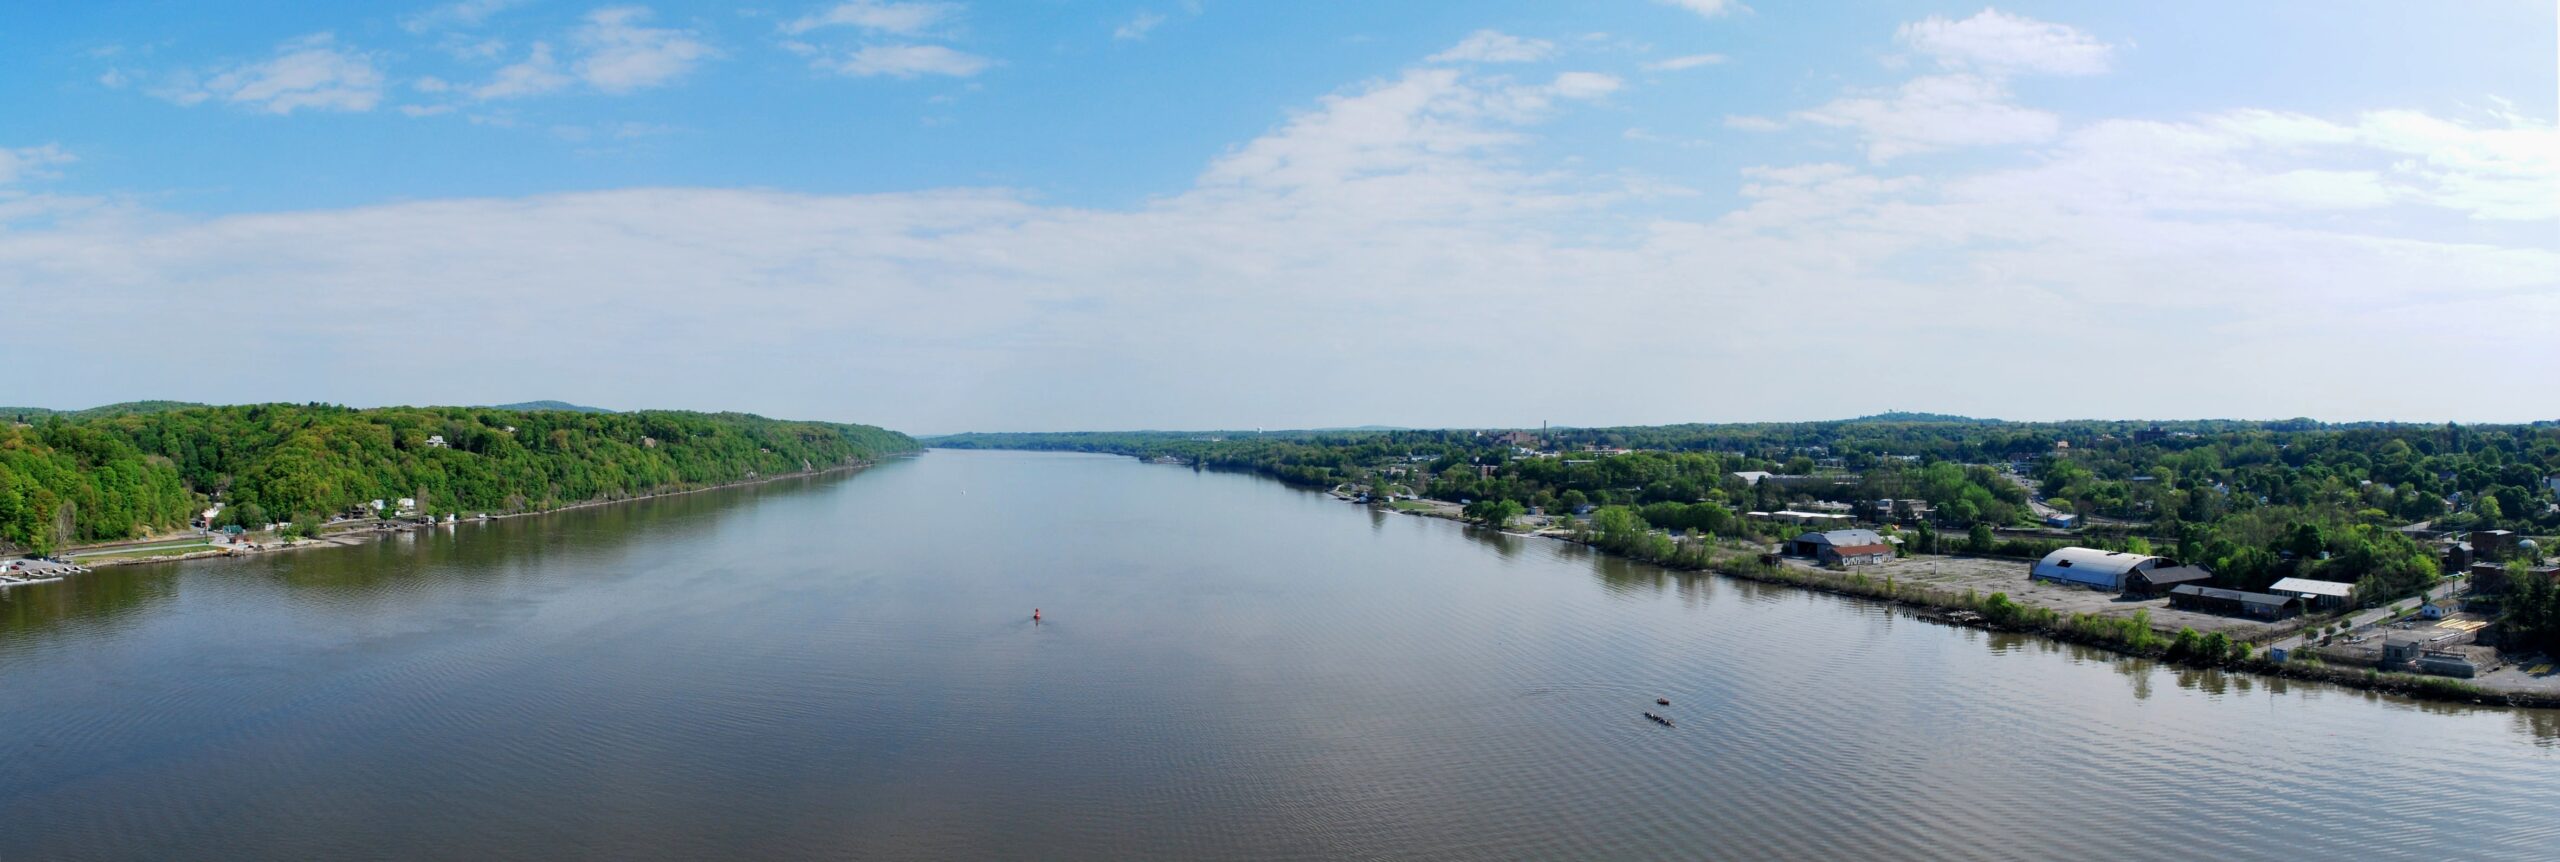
1495, 513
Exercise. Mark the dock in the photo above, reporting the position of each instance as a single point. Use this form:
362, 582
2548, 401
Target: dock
15, 572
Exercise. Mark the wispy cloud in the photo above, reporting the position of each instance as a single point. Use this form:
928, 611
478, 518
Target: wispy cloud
612, 50
897, 19
897, 57
1709, 8
465, 13
1691, 61
313, 72
1137, 27
26, 163
1995, 42
620, 53
1936, 112
906, 61
1492, 46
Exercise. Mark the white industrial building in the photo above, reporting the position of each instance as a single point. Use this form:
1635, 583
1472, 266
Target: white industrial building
2090, 567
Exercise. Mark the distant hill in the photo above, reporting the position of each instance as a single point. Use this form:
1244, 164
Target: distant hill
550, 405
32, 415
1937, 418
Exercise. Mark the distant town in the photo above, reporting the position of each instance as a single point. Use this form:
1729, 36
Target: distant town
2408, 556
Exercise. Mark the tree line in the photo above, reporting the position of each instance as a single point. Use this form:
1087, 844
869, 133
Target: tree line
68, 480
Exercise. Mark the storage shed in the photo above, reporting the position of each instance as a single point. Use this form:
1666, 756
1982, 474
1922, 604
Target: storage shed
1843, 547
2090, 567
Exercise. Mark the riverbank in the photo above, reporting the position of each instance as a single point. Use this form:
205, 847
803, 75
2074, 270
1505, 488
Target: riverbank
374, 531
2132, 634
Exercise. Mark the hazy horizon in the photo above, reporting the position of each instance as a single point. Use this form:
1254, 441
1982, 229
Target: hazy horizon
939, 217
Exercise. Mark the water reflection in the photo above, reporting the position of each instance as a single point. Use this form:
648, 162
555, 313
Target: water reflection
101, 595
409, 566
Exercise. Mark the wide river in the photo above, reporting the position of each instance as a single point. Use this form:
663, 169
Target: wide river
845, 667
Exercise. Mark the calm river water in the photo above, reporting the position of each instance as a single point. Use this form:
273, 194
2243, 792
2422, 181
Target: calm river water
845, 667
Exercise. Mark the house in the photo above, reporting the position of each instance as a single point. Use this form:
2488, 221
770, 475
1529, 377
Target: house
1843, 547
2215, 600
435, 441
2159, 581
2321, 595
2435, 610
2090, 567
1753, 477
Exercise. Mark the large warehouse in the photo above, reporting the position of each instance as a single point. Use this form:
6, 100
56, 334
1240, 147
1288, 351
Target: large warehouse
2090, 567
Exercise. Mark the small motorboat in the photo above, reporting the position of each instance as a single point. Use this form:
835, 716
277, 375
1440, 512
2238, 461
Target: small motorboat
1662, 701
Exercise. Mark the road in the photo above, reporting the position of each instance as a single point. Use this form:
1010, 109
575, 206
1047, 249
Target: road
2367, 618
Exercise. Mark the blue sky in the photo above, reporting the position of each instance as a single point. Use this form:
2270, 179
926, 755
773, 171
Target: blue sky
949, 216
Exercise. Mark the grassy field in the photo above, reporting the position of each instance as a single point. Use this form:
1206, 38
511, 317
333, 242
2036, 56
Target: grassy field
147, 553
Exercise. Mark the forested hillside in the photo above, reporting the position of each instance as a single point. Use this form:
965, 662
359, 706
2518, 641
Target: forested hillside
65, 481
121, 408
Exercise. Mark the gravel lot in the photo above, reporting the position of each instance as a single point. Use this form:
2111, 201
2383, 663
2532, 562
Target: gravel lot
1987, 576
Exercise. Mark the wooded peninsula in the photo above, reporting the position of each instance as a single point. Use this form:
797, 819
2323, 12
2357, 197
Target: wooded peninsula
130, 470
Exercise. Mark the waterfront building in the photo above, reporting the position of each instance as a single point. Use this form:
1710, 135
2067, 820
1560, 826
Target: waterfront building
2090, 567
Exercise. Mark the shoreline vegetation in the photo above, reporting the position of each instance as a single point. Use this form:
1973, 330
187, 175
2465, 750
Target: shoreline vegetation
2127, 636
130, 474
2253, 502
351, 536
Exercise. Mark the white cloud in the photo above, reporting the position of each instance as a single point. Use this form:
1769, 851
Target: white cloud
2270, 162
538, 73
1691, 61
1936, 112
1489, 46
1583, 85
1709, 8
1137, 27
310, 72
900, 19
1995, 42
1400, 220
466, 13
621, 54
1749, 123
906, 61
26, 163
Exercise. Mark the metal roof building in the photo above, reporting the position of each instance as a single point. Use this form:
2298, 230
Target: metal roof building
1841, 538
2327, 594
1845, 547
2090, 567
2222, 601
2150, 582
2307, 586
